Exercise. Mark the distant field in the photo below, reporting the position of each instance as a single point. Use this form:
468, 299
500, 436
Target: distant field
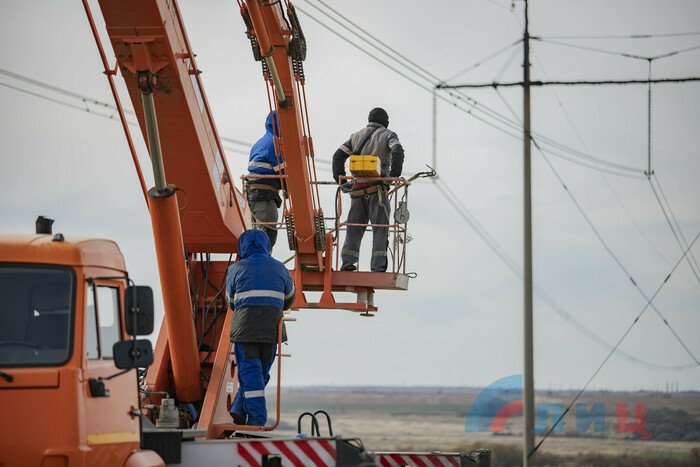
434, 419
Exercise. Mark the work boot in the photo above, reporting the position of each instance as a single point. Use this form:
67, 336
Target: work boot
237, 419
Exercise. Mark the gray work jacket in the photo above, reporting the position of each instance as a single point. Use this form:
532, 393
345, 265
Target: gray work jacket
379, 144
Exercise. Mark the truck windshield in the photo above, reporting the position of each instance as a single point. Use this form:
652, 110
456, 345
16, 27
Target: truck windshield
36, 307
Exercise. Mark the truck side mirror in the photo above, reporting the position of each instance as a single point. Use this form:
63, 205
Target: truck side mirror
137, 353
138, 301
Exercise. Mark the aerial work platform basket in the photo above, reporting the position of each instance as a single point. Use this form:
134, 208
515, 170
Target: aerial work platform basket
329, 279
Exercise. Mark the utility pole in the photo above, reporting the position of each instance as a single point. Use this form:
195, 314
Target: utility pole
435, 90
528, 379
528, 366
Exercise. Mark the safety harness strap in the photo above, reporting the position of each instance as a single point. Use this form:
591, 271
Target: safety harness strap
260, 186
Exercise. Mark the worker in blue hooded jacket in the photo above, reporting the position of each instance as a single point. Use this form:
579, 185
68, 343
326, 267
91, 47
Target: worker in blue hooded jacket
263, 193
258, 289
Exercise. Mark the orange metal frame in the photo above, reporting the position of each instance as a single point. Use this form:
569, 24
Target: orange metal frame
208, 213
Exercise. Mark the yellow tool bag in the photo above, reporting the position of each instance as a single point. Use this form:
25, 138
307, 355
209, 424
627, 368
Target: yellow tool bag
365, 166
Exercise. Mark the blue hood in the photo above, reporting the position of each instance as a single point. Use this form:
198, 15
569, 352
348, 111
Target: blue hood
268, 123
253, 242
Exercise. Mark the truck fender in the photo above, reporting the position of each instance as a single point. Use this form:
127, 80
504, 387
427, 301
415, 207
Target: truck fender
144, 459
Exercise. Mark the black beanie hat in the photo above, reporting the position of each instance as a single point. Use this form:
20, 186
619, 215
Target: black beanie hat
378, 115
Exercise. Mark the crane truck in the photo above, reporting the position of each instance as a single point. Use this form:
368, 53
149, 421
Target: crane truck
77, 385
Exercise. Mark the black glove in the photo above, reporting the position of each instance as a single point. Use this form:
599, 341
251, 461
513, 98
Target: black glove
347, 186
396, 161
339, 159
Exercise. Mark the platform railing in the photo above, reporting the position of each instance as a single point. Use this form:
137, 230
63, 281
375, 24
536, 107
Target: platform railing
396, 191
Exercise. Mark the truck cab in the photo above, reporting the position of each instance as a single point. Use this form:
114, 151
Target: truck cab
66, 400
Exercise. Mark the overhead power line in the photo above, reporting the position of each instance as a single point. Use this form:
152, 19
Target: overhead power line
471, 101
432, 78
674, 226
500, 5
486, 115
86, 100
615, 257
621, 36
480, 62
596, 232
425, 87
587, 149
56, 89
616, 52
63, 103
605, 360
490, 241
477, 227
511, 84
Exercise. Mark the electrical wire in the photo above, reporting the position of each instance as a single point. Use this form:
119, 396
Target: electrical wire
675, 52
605, 360
682, 242
617, 197
597, 166
507, 63
87, 100
404, 75
434, 80
460, 96
607, 247
594, 160
236, 141
478, 228
588, 48
500, 5
59, 90
66, 104
480, 62
511, 128
624, 36
112, 116
603, 242
615, 52
611, 253
634, 172
366, 36
231, 140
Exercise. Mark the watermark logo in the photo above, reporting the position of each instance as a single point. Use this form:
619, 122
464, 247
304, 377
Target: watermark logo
502, 400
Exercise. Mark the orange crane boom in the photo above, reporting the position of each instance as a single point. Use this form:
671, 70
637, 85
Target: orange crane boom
148, 36
195, 208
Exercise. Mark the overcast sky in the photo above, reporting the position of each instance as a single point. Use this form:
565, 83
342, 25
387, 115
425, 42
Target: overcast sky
461, 321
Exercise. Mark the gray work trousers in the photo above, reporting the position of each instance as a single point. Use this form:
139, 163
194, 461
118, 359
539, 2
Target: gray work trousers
373, 208
265, 211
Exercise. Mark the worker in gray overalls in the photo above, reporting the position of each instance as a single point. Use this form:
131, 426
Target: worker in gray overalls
369, 201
